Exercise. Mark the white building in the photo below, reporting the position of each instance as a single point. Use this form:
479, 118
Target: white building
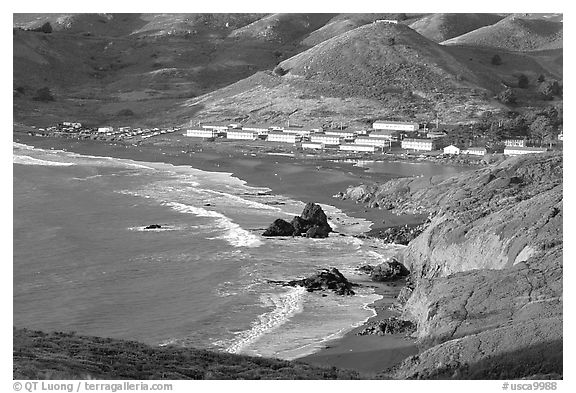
358, 148
517, 150
326, 139
388, 134
279, 136
341, 133
105, 129
515, 142
436, 134
261, 130
314, 146
372, 141
297, 131
395, 125
419, 144
202, 133
242, 135
217, 127
452, 150
475, 151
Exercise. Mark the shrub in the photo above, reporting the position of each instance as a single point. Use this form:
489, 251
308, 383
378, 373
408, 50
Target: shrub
125, 112
496, 60
44, 94
45, 28
541, 78
391, 41
548, 89
507, 96
523, 81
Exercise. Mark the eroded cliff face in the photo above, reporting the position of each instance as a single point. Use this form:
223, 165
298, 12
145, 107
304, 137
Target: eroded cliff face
488, 269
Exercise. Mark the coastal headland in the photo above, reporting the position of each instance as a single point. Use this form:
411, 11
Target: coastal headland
466, 222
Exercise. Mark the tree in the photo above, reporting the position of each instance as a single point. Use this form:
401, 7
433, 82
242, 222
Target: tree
507, 96
523, 81
391, 41
548, 89
496, 60
542, 129
44, 94
126, 112
45, 28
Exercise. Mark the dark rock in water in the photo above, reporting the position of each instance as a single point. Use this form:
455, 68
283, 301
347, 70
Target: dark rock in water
314, 214
387, 326
300, 225
279, 227
318, 231
153, 226
366, 269
312, 223
389, 271
322, 280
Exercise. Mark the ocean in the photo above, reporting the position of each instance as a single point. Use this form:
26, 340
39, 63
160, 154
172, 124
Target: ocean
84, 262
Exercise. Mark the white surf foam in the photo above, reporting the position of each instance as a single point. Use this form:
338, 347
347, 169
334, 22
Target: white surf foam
234, 233
26, 160
285, 306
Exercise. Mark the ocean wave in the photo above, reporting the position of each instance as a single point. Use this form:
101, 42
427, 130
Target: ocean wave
285, 306
234, 233
22, 146
27, 160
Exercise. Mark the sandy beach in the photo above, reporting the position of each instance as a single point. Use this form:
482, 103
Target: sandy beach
306, 180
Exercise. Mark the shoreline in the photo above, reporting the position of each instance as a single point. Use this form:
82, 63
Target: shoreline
303, 181
367, 354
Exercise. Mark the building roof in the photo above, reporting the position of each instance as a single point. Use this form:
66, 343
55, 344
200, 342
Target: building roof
521, 148
277, 132
384, 132
418, 140
255, 126
395, 122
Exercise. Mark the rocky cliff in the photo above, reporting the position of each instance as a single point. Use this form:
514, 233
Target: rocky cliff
488, 269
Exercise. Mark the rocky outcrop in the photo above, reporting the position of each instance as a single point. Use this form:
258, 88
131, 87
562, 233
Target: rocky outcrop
401, 234
487, 269
392, 325
390, 270
279, 227
324, 279
311, 223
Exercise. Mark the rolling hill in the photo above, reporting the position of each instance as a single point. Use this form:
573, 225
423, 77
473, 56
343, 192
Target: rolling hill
442, 27
282, 28
514, 33
169, 68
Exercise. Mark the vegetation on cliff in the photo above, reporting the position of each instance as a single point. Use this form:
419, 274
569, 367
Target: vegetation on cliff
39, 355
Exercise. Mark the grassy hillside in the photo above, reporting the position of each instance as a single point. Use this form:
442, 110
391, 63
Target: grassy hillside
441, 27
514, 33
39, 355
172, 68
